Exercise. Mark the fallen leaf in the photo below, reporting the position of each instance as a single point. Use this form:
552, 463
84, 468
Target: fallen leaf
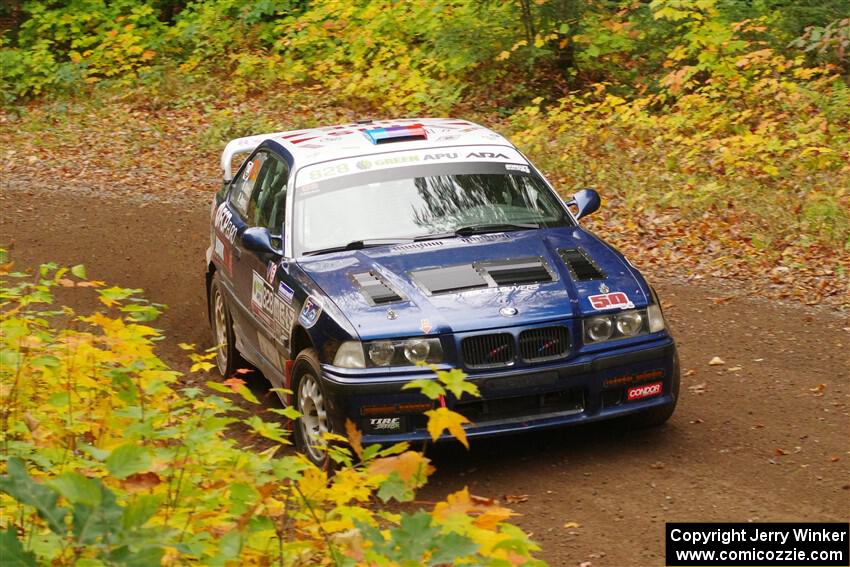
697, 388
515, 498
818, 390
734, 369
758, 426
719, 300
716, 361
657, 465
572, 525
781, 452
697, 420
834, 459
690, 372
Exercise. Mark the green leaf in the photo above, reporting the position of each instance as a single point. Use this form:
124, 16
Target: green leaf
150, 556
456, 382
139, 511
430, 388
12, 552
128, 459
76, 488
25, 490
449, 547
395, 487
288, 412
80, 271
92, 523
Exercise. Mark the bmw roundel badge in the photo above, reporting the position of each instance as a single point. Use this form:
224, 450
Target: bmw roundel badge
508, 311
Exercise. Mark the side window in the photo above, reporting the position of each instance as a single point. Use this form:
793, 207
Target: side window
243, 186
267, 204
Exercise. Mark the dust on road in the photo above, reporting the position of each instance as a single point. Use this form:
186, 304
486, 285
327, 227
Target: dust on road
752, 439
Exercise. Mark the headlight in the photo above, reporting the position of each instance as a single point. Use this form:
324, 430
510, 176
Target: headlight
629, 323
381, 353
598, 329
350, 355
417, 351
623, 325
388, 353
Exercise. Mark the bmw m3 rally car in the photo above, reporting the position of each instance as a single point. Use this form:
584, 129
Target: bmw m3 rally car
343, 258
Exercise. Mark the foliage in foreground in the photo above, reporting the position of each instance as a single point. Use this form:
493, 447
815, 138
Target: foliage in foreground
109, 461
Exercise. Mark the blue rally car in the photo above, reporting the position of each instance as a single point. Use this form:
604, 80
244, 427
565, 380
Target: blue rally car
343, 258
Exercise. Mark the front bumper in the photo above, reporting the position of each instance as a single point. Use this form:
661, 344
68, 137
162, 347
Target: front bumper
586, 388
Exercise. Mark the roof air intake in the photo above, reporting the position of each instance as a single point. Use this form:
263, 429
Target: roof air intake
518, 272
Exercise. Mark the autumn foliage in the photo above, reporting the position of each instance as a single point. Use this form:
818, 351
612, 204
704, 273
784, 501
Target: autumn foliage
107, 459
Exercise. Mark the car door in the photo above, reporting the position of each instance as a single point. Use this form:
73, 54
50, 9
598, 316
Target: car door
268, 285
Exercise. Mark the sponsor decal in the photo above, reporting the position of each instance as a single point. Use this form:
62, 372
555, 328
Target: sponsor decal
285, 292
247, 173
616, 299
486, 155
425, 325
385, 423
364, 164
275, 314
224, 222
517, 167
644, 391
222, 252
310, 312
630, 378
271, 270
449, 155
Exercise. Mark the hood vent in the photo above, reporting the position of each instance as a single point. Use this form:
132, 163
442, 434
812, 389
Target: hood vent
376, 289
451, 279
517, 272
581, 266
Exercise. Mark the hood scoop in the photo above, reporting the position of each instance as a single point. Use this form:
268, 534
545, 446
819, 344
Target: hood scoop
517, 272
376, 290
581, 266
466, 277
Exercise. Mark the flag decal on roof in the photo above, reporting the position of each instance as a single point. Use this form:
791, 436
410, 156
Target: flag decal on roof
396, 134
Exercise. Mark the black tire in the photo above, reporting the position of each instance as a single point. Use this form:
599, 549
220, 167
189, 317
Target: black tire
310, 401
228, 358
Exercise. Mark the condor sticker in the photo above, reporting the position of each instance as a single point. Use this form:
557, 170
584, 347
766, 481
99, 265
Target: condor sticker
615, 299
644, 391
270, 309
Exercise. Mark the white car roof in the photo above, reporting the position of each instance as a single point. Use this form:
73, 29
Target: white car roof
313, 145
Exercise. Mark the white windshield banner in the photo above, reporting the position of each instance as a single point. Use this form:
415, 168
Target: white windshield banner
459, 154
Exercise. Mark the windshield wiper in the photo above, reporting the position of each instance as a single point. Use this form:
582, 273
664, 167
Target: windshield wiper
480, 229
359, 245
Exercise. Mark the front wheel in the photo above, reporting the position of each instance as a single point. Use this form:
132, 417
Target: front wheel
227, 358
311, 404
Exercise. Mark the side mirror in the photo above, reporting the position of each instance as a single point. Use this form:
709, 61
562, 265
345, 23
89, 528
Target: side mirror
586, 201
257, 239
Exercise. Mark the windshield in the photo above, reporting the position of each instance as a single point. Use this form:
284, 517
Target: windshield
409, 203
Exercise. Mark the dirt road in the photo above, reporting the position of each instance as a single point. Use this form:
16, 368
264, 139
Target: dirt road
753, 439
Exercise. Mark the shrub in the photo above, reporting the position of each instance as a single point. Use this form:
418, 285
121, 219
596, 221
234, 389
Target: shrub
109, 460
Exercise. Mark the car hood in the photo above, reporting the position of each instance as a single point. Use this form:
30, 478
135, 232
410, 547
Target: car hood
428, 287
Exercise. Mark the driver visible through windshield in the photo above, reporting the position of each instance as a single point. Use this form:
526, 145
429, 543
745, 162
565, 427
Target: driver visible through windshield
419, 203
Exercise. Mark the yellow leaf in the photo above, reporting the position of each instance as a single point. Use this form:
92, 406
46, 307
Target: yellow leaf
572, 525
410, 465
442, 419
204, 366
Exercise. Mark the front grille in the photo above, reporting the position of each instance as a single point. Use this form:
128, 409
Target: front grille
547, 343
486, 351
